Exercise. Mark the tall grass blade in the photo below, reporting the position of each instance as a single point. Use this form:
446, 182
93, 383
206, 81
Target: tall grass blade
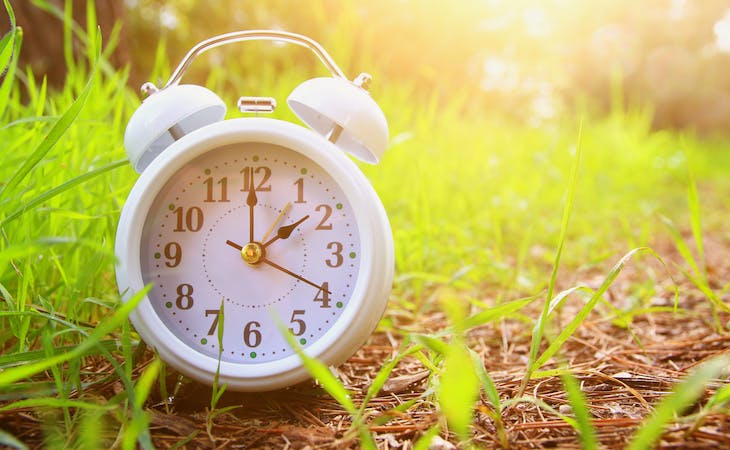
580, 410
218, 390
53, 136
695, 215
684, 395
567, 211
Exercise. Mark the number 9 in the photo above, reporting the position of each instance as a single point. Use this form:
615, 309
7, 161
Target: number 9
173, 252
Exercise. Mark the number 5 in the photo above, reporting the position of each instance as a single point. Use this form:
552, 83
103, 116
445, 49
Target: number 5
302, 327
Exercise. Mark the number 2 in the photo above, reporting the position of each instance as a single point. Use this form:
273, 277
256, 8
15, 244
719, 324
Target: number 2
249, 172
323, 224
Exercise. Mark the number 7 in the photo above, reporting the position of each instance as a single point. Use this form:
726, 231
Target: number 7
213, 326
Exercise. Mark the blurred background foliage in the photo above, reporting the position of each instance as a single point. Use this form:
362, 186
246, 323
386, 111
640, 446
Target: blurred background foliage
530, 60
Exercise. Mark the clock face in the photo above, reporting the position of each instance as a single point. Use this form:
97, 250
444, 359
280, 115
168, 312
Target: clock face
253, 239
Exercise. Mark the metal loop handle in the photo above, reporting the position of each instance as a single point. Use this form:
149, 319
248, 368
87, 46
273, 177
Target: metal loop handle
253, 35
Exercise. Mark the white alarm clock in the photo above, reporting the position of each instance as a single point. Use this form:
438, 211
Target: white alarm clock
259, 226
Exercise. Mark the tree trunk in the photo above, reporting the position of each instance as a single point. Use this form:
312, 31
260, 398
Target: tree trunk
43, 40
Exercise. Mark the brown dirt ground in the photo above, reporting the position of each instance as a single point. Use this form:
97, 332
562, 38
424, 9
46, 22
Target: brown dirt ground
623, 372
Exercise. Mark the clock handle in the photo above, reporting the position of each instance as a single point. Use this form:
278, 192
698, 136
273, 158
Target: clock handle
339, 109
254, 35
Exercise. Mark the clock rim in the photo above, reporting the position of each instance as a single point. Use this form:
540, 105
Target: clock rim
374, 280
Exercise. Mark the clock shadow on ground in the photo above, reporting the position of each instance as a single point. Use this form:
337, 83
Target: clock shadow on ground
300, 416
194, 397
255, 418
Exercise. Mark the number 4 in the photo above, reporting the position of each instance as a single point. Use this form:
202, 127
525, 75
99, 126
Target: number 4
323, 295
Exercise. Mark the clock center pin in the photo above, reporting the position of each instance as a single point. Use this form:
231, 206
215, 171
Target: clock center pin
253, 253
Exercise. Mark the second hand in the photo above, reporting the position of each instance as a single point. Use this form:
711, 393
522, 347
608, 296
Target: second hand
278, 218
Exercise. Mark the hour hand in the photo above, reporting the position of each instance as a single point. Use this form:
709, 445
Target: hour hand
285, 231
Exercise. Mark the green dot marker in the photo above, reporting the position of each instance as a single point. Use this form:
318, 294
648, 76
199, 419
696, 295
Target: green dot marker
168, 304
338, 206
204, 341
157, 255
339, 304
353, 255
303, 171
255, 158
252, 354
303, 341
207, 171
170, 206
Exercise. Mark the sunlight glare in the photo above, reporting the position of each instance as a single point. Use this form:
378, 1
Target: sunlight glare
722, 33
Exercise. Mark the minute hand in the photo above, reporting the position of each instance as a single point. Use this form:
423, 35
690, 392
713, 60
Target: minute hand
298, 277
251, 201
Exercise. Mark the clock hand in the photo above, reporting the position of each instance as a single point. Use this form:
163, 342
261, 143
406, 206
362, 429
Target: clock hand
298, 277
251, 201
285, 231
278, 218
234, 245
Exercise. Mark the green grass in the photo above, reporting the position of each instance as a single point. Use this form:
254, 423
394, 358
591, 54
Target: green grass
479, 208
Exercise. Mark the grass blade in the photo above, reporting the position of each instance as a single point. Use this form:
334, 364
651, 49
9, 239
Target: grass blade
138, 430
7, 44
682, 397
7, 82
7, 439
582, 415
458, 388
498, 312
18, 373
570, 328
53, 136
321, 373
14, 359
424, 442
55, 403
380, 380
490, 389
49, 194
696, 275
693, 201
